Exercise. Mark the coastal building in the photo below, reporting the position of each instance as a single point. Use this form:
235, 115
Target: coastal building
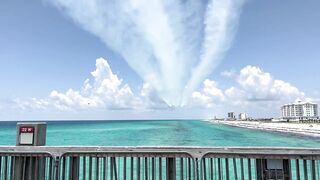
243, 116
300, 111
231, 116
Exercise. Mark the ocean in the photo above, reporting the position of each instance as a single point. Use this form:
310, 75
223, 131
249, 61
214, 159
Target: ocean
157, 133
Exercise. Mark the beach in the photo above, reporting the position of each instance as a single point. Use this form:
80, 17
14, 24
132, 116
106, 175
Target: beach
305, 129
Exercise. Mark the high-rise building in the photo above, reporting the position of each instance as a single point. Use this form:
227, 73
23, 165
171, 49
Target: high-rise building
231, 115
243, 116
300, 111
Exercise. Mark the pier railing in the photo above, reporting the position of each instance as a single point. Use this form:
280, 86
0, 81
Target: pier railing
157, 163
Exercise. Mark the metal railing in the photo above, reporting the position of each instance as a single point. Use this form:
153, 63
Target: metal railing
28, 165
116, 166
157, 163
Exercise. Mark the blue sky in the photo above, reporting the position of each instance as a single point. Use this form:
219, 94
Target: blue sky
45, 49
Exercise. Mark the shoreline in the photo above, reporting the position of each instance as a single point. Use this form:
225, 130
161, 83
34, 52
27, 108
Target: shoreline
311, 130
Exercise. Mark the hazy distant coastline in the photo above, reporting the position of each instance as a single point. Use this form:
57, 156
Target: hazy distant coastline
309, 129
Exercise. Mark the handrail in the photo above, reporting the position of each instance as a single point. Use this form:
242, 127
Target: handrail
194, 162
194, 151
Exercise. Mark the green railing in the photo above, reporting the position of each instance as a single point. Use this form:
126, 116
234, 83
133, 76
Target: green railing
157, 163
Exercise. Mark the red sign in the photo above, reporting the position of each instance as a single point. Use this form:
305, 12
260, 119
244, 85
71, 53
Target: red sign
26, 129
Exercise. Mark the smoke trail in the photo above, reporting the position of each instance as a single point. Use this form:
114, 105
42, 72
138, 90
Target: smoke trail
221, 22
170, 44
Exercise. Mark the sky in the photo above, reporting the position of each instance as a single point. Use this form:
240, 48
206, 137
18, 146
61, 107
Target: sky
139, 59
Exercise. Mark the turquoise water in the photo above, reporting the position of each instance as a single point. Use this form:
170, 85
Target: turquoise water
157, 133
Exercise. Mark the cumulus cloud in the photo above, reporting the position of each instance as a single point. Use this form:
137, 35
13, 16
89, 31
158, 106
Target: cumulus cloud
172, 45
254, 86
261, 86
31, 103
105, 90
255, 91
208, 96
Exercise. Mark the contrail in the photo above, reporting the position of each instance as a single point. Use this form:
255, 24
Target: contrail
221, 22
173, 45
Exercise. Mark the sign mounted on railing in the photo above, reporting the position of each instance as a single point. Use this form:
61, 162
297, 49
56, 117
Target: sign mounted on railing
31, 133
26, 129
26, 135
274, 164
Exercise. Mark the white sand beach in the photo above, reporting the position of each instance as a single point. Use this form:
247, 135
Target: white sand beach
295, 128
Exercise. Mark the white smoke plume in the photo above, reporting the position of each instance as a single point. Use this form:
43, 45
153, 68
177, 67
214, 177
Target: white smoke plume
172, 45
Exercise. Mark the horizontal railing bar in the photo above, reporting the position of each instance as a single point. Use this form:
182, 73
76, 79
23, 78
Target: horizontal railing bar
26, 153
159, 148
262, 156
127, 154
196, 152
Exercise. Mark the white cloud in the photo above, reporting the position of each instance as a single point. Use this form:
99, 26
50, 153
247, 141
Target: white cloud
31, 103
228, 73
256, 91
73, 100
210, 88
261, 86
172, 45
209, 96
105, 90
236, 96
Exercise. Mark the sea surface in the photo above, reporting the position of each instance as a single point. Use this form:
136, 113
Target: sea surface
157, 133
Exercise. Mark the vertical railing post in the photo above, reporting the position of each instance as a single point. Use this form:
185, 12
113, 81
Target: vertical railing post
260, 169
313, 170
196, 169
56, 166
203, 169
227, 168
235, 169
297, 169
171, 169
74, 168
219, 169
